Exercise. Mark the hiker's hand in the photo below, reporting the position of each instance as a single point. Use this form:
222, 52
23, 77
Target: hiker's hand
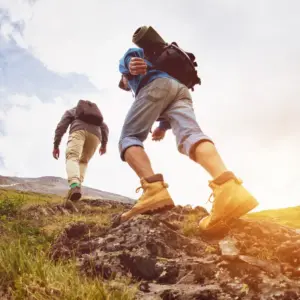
55, 153
102, 150
158, 134
137, 66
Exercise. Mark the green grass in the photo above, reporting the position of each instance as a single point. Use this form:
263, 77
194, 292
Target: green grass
285, 216
27, 272
31, 275
190, 225
27, 199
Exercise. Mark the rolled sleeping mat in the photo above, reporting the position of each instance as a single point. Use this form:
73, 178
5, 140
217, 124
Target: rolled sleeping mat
147, 38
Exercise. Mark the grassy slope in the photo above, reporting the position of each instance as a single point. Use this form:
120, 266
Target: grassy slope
26, 272
285, 216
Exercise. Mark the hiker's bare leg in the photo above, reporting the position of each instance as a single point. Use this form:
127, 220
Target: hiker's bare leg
155, 196
139, 161
147, 108
206, 155
231, 199
191, 140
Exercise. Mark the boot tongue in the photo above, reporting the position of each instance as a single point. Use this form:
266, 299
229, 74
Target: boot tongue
224, 177
154, 178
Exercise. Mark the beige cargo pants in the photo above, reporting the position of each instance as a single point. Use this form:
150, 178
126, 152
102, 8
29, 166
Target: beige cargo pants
81, 147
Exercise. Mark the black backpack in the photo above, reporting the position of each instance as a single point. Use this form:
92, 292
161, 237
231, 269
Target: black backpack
177, 63
88, 112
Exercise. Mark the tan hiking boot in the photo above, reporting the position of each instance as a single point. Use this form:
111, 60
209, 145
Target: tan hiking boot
74, 194
231, 201
155, 198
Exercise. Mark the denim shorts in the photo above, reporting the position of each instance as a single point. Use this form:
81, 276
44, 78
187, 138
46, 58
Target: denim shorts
167, 99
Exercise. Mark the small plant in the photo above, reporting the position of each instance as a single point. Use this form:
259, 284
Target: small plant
211, 249
9, 206
190, 225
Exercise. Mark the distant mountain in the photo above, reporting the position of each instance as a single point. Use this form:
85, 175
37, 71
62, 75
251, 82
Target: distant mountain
55, 185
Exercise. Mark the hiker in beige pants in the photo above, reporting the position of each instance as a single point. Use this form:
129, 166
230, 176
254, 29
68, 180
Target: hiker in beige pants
81, 147
84, 138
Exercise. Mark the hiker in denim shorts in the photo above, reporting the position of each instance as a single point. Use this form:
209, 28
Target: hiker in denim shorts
159, 97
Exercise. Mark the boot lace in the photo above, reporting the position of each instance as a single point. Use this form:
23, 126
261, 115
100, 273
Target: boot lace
138, 189
165, 185
212, 196
211, 200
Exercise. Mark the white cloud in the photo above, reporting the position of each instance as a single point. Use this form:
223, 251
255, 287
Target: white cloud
7, 30
19, 10
249, 63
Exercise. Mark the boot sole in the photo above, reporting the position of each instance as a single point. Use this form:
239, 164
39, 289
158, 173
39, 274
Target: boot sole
160, 206
75, 197
238, 212
159, 210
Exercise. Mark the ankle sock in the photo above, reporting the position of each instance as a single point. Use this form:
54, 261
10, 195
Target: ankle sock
155, 178
224, 177
73, 185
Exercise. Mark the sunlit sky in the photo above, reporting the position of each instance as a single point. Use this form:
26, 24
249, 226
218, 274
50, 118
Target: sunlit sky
53, 52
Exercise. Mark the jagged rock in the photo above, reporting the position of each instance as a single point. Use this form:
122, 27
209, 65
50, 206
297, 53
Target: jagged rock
290, 251
296, 272
183, 292
76, 238
250, 261
273, 268
44, 211
4, 296
106, 203
141, 267
228, 248
70, 205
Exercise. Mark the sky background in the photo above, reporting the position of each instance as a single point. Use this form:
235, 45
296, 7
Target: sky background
53, 52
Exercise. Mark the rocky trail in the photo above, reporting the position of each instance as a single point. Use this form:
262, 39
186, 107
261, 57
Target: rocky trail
168, 259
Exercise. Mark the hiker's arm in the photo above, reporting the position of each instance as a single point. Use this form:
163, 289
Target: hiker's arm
160, 131
164, 124
137, 64
62, 127
104, 134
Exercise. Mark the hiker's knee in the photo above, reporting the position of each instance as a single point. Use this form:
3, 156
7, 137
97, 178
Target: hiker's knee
126, 142
205, 139
72, 154
187, 144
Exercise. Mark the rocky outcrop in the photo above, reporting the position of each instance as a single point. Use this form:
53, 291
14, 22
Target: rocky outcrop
250, 260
